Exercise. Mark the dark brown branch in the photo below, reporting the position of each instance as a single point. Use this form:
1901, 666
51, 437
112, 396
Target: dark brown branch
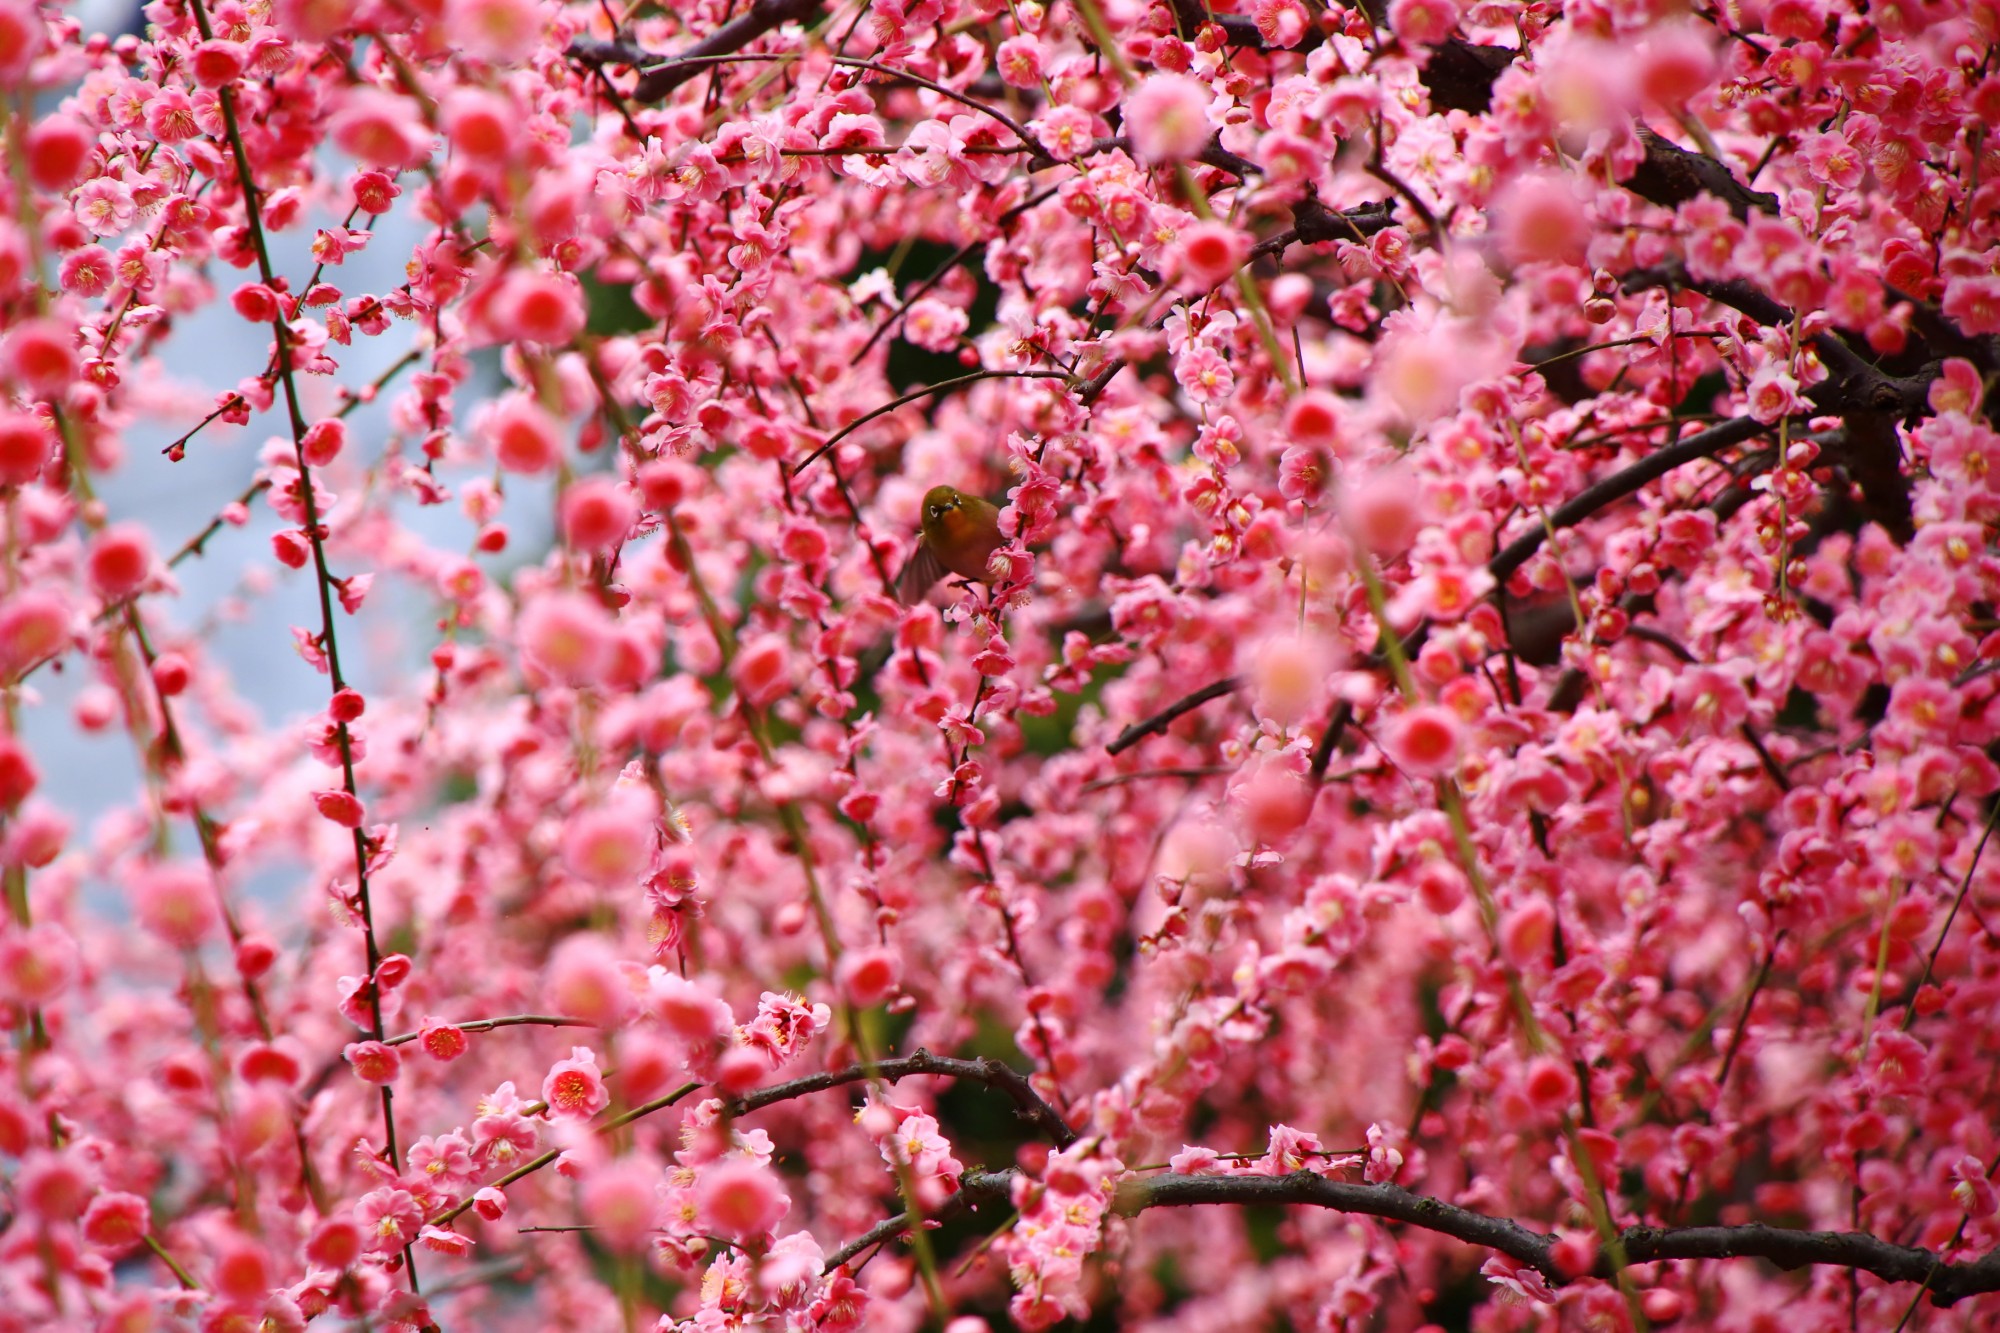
1798, 1249
1313, 223
1619, 485
1945, 337
597, 53
1871, 453
1501, 567
1785, 1248
739, 32
1391, 1202
1215, 155
1746, 299
1329, 739
1672, 175
1870, 401
889, 1228
1090, 390
1460, 75
961, 255
1238, 30
1378, 167
1160, 721
1145, 774
995, 1074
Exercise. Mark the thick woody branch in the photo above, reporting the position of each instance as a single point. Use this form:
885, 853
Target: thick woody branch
1460, 75
1313, 223
762, 16
1947, 1283
1672, 175
1870, 401
1619, 485
1747, 299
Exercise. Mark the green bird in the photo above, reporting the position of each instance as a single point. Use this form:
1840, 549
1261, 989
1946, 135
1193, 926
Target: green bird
959, 535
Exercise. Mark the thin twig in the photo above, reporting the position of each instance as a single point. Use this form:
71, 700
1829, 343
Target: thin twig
511, 1021
913, 395
1166, 717
1205, 771
1964, 887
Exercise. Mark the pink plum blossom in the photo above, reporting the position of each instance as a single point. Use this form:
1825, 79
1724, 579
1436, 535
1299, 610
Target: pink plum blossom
1478, 724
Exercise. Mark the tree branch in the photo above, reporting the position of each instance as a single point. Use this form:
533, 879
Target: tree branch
1090, 390
1672, 175
1501, 567
488, 1024
904, 400
1160, 721
1785, 1248
889, 1228
660, 79
1619, 485
1460, 75
995, 1074
1313, 223
1869, 401
1745, 298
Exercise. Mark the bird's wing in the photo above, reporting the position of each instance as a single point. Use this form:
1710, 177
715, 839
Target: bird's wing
920, 571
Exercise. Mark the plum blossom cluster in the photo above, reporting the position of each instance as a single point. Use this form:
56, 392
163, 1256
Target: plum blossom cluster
1483, 727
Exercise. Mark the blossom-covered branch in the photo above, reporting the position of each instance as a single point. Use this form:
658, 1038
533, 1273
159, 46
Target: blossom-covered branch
1471, 533
1946, 1283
